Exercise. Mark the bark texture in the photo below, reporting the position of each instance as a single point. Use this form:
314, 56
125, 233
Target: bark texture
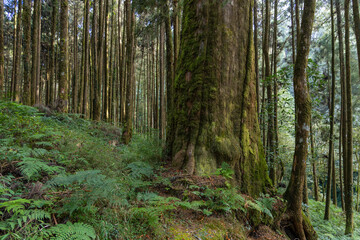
302, 128
2, 62
215, 112
62, 103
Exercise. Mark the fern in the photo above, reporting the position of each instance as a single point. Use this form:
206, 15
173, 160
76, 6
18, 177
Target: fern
32, 167
139, 170
69, 231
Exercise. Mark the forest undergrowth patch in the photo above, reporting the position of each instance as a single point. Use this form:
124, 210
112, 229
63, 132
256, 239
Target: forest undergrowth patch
63, 177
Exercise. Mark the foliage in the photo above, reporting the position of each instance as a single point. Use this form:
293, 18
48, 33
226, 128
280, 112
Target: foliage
78, 231
335, 227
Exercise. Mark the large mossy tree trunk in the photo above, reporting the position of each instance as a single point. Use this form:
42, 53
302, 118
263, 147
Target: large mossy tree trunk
294, 192
2, 61
215, 112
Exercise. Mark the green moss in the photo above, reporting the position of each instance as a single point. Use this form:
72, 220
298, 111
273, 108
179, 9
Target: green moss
227, 148
205, 162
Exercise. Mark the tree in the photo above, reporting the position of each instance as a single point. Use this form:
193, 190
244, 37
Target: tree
17, 56
348, 168
212, 127
2, 61
332, 107
302, 128
27, 50
35, 68
62, 103
130, 27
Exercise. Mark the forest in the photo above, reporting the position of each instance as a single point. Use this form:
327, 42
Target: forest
179, 119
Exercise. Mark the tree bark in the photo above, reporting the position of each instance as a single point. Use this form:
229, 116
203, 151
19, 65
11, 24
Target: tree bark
35, 73
303, 115
75, 81
212, 127
2, 61
130, 47
17, 61
348, 111
342, 141
27, 51
332, 107
270, 109
86, 61
62, 103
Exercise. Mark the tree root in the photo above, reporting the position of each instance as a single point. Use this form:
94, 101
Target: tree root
288, 226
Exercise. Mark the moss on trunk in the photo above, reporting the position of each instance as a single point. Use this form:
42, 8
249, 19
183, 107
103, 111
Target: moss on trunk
214, 113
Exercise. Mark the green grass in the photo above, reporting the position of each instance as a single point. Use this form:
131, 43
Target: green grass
335, 227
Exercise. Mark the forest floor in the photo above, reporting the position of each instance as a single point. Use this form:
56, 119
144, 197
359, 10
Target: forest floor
63, 177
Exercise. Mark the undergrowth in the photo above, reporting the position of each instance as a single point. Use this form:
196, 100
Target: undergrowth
63, 177
334, 228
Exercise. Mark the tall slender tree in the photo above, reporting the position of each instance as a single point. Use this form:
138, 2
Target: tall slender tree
342, 141
294, 190
16, 80
130, 27
27, 51
332, 107
63, 58
2, 60
348, 162
35, 68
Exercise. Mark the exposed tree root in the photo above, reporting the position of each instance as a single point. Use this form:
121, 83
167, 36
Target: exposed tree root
304, 231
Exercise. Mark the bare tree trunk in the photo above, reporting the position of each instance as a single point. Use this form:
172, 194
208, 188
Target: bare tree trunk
130, 46
27, 51
294, 192
35, 73
17, 61
331, 142
63, 58
256, 57
2, 61
348, 111
86, 61
75, 80
292, 31
162, 89
342, 80
270, 130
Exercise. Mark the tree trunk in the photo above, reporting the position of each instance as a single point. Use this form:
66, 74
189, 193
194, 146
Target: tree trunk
212, 127
332, 107
270, 127
130, 48
256, 57
35, 73
98, 67
162, 82
292, 31
27, 51
2, 61
348, 111
17, 61
303, 115
342, 141
75, 79
63, 58
86, 61
169, 78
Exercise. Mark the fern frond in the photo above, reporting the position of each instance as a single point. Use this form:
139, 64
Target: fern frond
79, 231
31, 167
